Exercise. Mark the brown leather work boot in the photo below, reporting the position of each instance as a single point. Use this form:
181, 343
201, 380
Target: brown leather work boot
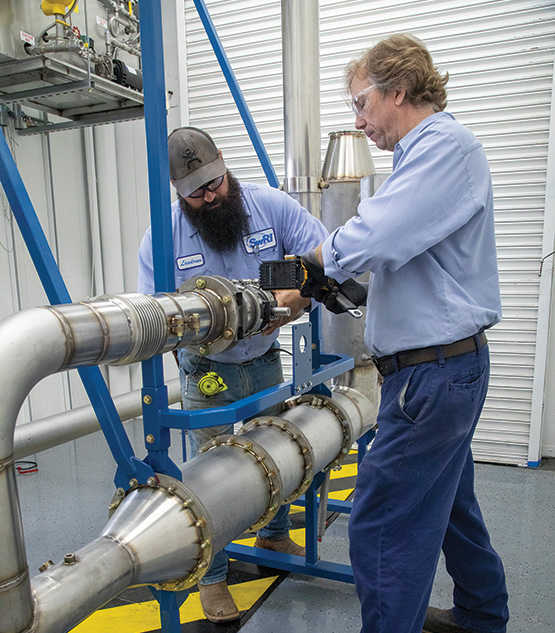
442, 621
217, 602
283, 545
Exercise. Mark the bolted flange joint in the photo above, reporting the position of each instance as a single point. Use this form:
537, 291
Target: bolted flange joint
269, 468
296, 435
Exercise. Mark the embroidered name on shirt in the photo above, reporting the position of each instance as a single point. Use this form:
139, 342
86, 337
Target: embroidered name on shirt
190, 261
255, 242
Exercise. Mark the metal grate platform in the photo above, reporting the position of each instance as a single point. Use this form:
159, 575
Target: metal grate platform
65, 90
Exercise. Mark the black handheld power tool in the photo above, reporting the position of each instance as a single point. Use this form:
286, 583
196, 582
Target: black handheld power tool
295, 272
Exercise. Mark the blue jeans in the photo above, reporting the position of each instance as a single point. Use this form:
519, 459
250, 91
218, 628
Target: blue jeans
242, 380
415, 496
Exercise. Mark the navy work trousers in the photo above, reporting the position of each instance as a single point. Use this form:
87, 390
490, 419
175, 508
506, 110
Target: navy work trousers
415, 496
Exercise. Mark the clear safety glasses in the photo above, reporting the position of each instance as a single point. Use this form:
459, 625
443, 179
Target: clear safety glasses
358, 102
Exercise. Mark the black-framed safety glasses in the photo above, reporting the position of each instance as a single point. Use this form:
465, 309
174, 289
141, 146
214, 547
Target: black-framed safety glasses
209, 186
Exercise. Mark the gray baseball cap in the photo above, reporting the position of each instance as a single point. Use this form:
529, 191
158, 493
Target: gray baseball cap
194, 159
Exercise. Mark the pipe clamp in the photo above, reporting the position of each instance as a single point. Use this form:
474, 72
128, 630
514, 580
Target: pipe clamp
297, 436
200, 519
266, 463
341, 416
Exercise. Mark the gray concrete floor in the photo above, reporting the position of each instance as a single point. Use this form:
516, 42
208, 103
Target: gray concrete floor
519, 508
64, 507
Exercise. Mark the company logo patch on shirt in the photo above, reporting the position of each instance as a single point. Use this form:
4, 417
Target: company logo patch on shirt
255, 242
190, 261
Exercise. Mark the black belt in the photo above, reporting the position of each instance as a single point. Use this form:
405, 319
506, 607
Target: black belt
388, 364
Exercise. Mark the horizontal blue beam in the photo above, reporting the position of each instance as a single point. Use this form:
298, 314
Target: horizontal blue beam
252, 405
289, 562
334, 505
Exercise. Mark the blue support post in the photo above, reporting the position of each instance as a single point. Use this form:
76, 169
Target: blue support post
155, 395
169, 602
39, 250
311, 520
235, 90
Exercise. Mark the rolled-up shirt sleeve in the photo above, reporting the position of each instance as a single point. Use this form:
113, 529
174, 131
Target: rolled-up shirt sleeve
429, 195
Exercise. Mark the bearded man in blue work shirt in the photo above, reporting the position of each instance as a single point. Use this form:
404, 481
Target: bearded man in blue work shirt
427, 235
223, 227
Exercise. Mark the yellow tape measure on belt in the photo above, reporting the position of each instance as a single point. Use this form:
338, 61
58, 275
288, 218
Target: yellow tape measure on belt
211, 384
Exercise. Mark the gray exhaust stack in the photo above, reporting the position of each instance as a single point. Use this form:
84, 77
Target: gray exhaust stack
347, 177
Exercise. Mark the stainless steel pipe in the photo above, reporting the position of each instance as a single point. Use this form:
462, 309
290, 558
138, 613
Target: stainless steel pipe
54, 430
301, 101
165, 533
119, 329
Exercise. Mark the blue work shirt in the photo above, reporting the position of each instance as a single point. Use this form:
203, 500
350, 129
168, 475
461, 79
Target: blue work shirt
428, 237
278, 226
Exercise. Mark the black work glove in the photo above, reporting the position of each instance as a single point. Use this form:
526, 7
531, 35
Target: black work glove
345, 296
316, 285
338, 298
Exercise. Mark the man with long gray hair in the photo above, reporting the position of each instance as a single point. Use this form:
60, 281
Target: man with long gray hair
427, 235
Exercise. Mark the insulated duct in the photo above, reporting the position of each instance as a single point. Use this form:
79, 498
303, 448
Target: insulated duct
209, 316
166, 532
301, 101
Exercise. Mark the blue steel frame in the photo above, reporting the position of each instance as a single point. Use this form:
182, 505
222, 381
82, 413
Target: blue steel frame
310, 372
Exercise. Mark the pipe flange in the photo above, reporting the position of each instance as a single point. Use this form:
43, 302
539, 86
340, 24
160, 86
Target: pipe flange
201, 520
341, 416
220, 294
295, 434
266, 463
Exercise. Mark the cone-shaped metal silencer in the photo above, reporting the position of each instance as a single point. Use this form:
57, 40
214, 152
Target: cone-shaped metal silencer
348, 157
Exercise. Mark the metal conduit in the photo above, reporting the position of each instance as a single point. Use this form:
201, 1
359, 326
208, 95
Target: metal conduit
166, 532
301, 101
54, 430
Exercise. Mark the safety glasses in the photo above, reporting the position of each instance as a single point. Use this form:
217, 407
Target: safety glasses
358, 102
210, 186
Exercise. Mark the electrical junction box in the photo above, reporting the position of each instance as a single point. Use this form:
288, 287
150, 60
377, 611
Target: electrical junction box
82, 66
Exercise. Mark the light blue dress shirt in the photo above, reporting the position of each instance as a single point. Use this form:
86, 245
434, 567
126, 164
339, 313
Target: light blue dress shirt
428, 237
278, 226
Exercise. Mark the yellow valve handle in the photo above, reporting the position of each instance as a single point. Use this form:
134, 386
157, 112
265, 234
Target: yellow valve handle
211, 384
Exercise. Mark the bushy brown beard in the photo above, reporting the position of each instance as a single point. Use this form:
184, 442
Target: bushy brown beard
220, 227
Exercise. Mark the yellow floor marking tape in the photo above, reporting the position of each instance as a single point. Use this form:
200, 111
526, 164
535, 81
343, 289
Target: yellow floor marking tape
347, 470
145, 616
340, 495
296, 535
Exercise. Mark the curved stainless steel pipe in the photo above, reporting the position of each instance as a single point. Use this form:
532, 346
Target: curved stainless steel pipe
124, 329
165, 533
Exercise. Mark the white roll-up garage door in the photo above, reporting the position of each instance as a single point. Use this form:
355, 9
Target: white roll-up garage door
499, 55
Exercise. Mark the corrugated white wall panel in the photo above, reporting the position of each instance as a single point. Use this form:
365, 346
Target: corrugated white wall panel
499, 55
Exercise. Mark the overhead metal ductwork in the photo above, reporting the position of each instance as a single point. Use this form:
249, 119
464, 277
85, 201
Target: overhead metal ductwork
301, 101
